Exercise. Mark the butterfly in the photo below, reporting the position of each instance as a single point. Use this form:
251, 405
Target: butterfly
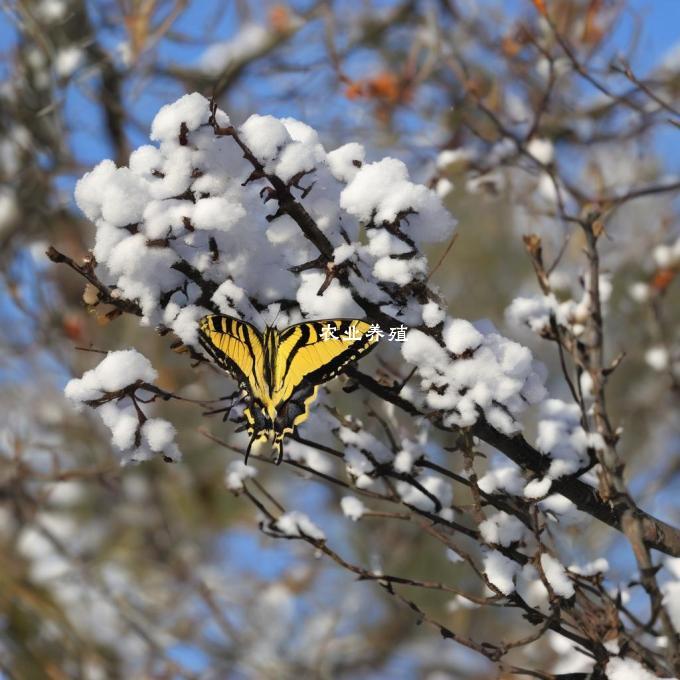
279, 371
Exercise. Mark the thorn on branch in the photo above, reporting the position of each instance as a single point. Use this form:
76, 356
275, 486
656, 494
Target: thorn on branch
212, 121
317, 263
86, 270
214, 252
158, 243
55, 256
279, 213
614, 365
307, 190
332, 272
183, 134
254, 176
267, 193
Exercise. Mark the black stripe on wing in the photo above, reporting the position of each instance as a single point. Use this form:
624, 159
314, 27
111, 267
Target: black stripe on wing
221, 359
234, 328
355, 350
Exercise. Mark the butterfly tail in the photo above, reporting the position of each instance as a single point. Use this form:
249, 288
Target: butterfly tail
278, 448
250, 446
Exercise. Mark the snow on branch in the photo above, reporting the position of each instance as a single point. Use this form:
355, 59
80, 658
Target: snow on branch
116, 388
261, 222
194, 221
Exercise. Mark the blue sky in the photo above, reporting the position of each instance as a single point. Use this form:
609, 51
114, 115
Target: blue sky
661, 19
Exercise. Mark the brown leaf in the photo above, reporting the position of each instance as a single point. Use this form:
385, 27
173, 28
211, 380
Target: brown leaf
73, 327
90, 295
662, 279
279, 18
540, 6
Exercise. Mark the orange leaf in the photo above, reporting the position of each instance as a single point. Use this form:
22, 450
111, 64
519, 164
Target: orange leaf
385, 85
662, 279
592, 33
72, 326
510, 46
279, 18
540, 6
354, 90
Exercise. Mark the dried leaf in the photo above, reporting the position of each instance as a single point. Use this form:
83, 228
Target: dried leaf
662, 279
279, 18
90, 295
540, 6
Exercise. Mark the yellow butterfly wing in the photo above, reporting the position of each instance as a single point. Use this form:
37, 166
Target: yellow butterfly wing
282, 370
305, 360
236, 346
304, 357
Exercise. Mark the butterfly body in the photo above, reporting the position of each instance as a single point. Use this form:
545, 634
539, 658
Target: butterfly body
279, 371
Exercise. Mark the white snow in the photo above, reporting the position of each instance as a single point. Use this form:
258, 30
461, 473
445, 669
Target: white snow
501, 571
556, 575
398, 271
247, 43
265, 136
217, 212
453, 556
502, 529
422, 349
503, 478
537, 488
454, 157
118, 370
433, 314
336, 301
344, 162
639, 291
352, 507
295, 158
67, 60
531, 311
191, 109
460, 335
158, 433
296, 523
90, 188
499, 379
406, 457
597, 566
237, 473
436, 486
9, 209
628, 669
542, 150
443, 187
51, 11
380, 191
671, 601
531, 588
561, 437
657, 358
122, 422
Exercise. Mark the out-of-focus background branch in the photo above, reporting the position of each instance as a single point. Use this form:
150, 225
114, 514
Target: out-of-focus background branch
556, 122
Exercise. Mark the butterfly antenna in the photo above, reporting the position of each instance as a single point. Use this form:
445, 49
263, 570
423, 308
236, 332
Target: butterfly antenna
276, 317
